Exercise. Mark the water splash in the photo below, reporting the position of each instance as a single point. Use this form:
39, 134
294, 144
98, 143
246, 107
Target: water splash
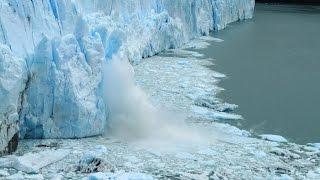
134, 118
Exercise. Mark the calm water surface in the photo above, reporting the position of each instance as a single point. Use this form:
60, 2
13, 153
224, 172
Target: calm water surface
273, 68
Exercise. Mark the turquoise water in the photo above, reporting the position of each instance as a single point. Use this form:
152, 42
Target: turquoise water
273, 68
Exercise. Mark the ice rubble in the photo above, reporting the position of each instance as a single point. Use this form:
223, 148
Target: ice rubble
57, 48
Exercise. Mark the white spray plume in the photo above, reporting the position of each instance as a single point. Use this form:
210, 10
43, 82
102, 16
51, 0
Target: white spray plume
133, 117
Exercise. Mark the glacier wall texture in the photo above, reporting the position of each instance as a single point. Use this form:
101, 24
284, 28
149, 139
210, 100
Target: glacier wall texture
12, 83
52, 54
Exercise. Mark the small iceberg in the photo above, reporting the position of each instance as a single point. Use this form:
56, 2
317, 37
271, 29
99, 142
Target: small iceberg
274, 138
315, 145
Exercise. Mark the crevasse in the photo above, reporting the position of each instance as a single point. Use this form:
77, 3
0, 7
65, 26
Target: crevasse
52, 53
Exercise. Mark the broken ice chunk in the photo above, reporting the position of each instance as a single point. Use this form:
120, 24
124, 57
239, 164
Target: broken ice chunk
274, 138
33, 162
93, 161
316, 145
214, 115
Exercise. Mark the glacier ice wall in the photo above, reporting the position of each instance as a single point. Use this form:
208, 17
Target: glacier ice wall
12, 83
52, 53
145, 22
63, 91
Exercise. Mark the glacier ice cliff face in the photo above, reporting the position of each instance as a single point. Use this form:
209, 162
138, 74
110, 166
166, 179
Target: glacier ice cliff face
52, 54
63, 90
149, 23
12, 84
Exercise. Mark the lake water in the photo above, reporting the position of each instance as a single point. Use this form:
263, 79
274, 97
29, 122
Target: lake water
273, 68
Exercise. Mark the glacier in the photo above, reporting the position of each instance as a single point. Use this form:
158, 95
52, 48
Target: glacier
12, 84
52, 54
230, 153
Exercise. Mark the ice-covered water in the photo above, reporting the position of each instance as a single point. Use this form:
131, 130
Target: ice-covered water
272, 64
232, 155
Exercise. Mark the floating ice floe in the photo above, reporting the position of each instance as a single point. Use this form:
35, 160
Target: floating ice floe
197, 44
217, 40
275, 138
214, 115
120, 176
21, 176
316, 145
183, 53
33, 162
